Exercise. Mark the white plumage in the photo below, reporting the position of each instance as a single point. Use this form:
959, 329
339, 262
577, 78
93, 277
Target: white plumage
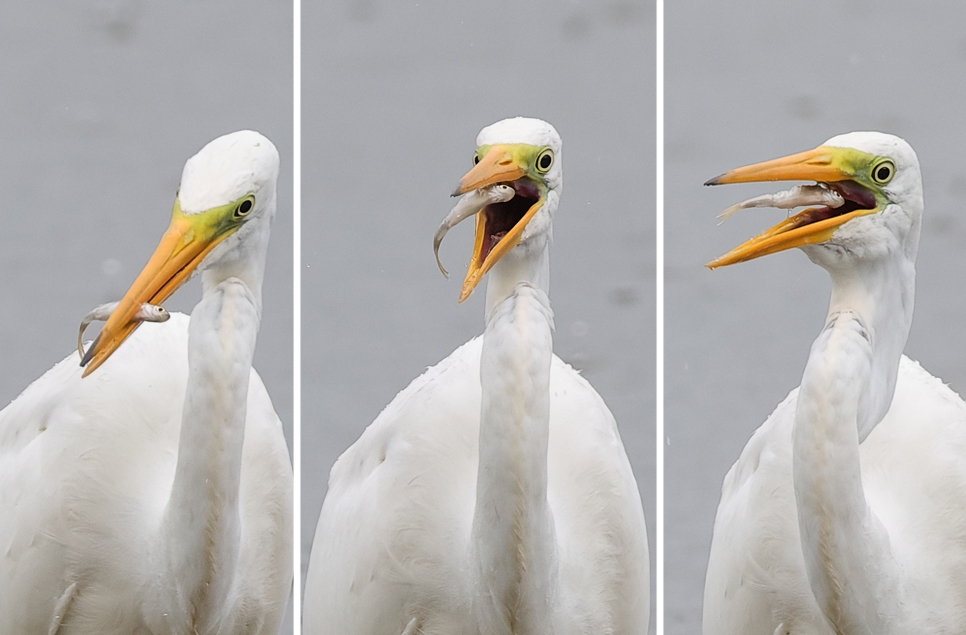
493, 495
154, 496
914, 479
846, 511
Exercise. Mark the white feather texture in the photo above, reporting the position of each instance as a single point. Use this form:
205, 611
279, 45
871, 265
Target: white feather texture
846, 511
155, 495
493, 495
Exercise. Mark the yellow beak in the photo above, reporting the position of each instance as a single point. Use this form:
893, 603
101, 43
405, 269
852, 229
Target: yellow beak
499, 165
824, 164
183, 246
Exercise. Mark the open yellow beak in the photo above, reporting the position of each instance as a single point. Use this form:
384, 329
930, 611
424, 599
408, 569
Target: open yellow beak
188, 239
500, 165
825, 164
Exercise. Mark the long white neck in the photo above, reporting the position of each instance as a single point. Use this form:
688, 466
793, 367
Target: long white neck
513, 546
528, 263
200, 530
846, 390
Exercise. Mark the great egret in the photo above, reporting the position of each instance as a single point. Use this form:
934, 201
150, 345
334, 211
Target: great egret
846, 512
493, 495
155, 495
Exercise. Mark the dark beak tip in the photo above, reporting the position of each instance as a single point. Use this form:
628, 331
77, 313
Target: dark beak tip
715, 181
457, 191
89, 354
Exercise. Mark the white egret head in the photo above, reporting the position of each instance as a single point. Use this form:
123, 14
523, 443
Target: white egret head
525, 155
878, 177
234, 168
227, 196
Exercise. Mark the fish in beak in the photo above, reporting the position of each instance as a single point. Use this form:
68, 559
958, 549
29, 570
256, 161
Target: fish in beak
847, 186
503, 190
187, 241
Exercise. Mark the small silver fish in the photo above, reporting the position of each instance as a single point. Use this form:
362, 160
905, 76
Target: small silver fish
469, 204
147, 313
797, 196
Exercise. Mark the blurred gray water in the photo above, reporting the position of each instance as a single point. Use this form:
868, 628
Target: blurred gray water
394, 94
748, 81
101, 103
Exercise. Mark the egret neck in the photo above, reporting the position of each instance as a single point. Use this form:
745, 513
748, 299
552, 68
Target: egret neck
528, 262
200, 530
513, 529
846, 390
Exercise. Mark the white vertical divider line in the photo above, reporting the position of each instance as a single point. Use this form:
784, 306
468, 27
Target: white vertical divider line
659, 442
297, 315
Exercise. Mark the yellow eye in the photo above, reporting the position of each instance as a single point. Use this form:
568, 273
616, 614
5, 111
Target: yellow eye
245, 207
476, 158
883, 172
544, 161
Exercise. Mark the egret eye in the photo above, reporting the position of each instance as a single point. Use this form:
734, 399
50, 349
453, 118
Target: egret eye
883, 172
544, 161
476, 159
245, 207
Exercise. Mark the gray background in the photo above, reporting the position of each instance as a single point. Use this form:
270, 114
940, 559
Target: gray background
101, 103
394, 94
748, 81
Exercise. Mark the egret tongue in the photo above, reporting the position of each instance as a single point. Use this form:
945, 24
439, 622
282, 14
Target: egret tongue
500, 219
852, 191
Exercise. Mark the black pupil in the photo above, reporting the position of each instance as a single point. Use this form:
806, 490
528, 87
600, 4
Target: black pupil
545, 161
884, 172
245, 207
476, 159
